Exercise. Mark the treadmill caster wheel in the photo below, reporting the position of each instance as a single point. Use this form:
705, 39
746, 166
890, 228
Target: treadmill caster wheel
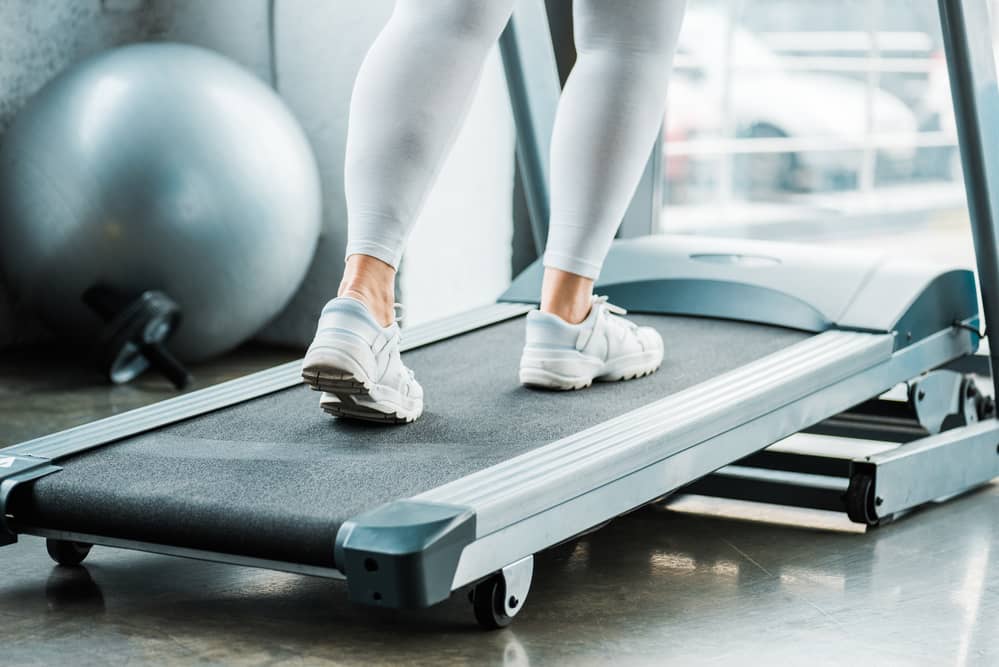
497, 600
67, 553
860, 505
488, 603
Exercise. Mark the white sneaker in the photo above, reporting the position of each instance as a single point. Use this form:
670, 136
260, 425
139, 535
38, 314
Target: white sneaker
356, 362
603, 347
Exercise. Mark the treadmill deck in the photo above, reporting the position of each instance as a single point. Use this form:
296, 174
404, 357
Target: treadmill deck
274, 477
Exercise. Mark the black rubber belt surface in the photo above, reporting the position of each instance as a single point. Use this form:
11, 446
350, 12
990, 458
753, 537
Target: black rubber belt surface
275, 477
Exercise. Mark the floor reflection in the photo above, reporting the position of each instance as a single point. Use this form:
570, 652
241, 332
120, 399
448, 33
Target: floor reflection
72, 590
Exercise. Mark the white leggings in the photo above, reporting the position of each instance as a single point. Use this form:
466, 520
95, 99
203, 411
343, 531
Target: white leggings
415, 88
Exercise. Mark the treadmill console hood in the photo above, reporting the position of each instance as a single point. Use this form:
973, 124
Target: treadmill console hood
808, 287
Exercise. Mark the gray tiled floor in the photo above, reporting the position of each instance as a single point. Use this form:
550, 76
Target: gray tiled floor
42, 391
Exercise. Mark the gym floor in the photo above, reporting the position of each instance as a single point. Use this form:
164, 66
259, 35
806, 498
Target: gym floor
656, 586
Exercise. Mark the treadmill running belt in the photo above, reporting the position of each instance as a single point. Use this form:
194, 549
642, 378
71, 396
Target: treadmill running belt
274, 477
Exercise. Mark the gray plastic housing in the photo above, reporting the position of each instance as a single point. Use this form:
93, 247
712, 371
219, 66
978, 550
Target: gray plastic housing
17, 469
807, 287
403, 554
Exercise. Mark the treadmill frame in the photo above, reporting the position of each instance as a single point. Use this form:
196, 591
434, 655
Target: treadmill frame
656, 449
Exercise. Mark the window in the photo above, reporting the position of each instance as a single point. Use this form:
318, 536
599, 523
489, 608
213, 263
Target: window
792, 119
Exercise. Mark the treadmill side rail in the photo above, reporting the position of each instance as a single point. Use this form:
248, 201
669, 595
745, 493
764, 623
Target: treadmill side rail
562, 470
515, 523
181, 552
403, 554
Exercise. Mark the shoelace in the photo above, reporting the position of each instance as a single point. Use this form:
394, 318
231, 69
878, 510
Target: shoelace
399, 312
608, 306
610, 309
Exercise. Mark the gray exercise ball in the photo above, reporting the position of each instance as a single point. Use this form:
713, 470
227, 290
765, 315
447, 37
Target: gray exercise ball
158, 167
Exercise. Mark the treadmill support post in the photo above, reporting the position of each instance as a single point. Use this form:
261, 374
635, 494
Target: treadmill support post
533, 84
971, 65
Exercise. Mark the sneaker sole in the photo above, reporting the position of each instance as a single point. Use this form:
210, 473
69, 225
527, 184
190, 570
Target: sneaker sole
542, 379
634, 366
344, 406
331, 371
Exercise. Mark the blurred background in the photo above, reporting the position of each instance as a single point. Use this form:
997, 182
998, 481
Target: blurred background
815, 119
787, 119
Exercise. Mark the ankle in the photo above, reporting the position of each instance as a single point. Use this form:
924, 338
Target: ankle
372, 282
379, 304
566, 295
572, 311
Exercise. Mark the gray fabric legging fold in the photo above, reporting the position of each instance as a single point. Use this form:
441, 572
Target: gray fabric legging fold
275, 478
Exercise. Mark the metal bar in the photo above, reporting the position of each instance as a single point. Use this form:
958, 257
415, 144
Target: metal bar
726, 167
798, 462
857, 41
765, 145
971, 65
934, 467
533, 83
773, 487
852, 426
829, 482
182, 552
838, 64
877, 419
873, 81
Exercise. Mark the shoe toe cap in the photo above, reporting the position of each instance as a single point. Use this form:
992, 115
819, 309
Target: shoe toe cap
413, 389
650, 338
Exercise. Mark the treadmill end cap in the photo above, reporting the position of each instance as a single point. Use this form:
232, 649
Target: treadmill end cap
403, 554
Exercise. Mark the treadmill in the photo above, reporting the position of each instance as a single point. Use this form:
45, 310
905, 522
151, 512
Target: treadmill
763, 340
